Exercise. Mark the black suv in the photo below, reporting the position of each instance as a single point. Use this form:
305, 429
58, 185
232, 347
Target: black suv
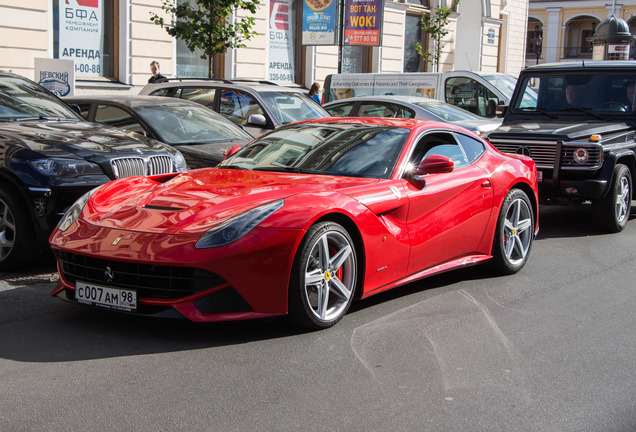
577, 121
50, 157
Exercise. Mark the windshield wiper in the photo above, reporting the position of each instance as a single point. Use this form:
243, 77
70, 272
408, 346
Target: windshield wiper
583, 110
539, 110
21, 119
286, 169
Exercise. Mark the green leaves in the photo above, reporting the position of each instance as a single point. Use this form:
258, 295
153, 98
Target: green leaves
435, 25
208, 24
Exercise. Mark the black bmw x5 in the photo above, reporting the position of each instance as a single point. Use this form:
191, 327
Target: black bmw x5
50, 157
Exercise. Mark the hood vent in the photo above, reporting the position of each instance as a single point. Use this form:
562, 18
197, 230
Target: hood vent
153, 207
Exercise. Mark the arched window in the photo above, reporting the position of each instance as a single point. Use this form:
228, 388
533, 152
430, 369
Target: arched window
577, 32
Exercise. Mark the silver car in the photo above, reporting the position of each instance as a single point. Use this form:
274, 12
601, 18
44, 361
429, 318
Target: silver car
410, 107
255, 105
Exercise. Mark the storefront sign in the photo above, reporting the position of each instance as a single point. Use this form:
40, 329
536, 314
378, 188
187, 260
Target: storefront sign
55, 75
81, 35
280, 64
363, 22
319, 22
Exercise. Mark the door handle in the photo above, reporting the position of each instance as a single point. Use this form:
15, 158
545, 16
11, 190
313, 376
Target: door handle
486, 184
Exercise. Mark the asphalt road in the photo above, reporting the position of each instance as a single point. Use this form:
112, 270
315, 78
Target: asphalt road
552, 348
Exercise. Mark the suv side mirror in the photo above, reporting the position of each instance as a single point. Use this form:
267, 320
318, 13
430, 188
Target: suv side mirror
501, 111
257, 120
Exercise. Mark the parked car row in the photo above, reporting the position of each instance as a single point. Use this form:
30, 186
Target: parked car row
300, 221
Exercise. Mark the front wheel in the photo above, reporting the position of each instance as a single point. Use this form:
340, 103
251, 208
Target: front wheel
514, 234
612, 212
16, 235
324, 275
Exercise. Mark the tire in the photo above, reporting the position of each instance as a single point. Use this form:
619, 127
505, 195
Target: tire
514, 234
16, 236
325, 268
612, 212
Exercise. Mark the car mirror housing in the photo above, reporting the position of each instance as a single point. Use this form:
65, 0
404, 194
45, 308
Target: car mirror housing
435, 164
257, 120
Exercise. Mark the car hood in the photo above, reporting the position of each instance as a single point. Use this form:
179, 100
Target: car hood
83, 139
195, 201
556, 131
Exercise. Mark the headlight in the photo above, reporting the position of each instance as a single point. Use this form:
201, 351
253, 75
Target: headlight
237, 227
59, 167
73, 213
179, 162
581, 156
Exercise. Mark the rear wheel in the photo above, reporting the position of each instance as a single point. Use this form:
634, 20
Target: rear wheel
612, 212
16, 236
514, 234
323, 278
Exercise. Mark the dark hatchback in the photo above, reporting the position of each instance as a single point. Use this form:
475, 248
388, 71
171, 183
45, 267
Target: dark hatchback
200, 134
50, 157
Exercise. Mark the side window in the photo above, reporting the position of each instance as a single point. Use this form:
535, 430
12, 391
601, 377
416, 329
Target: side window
471, 95
341, 110
84, 108
204, 96
473, 148
373, 110
161, 92
438, 143
237, 106
113, 116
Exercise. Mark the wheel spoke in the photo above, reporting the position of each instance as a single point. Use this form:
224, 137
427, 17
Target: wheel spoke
323, 299
313, 277
340, 289
523, 226
339, 258
323, 253
520, 248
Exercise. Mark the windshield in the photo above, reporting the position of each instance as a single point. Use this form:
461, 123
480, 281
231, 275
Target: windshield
21, 99
190, 124
354, 150
447, 112
577, 93
290, 107
504, 83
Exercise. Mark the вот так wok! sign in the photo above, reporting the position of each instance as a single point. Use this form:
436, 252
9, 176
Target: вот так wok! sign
363, 22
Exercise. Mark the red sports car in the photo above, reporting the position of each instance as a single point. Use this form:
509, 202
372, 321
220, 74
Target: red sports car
300, 222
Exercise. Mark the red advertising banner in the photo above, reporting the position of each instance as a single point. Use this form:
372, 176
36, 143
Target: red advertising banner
363, 22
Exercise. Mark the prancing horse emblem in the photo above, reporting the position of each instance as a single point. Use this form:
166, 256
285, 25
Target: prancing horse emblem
110, 275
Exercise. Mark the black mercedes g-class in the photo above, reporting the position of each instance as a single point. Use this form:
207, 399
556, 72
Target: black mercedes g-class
577, 121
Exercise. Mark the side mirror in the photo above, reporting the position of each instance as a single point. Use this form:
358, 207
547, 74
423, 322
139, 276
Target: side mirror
230, 151
435, 164
257, 120
501, 111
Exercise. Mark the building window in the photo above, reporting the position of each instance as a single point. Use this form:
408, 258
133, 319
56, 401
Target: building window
355, 59
189, 63
576, 33
412, 34
86, 32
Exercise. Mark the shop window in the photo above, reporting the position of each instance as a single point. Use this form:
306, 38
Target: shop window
86, 32
412, 34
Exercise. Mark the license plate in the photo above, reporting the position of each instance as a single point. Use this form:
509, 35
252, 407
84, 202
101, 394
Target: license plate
539, 176
111, 298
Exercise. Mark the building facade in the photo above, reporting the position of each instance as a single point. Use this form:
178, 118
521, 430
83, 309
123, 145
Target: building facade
113, 42
559, 30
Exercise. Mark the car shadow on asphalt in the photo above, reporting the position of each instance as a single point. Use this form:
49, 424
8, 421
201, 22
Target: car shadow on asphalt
565, 221
38, 328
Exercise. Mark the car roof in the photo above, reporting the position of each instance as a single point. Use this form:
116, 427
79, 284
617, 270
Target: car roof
131, 101
386, 121
387, 98
253, 85
582, 65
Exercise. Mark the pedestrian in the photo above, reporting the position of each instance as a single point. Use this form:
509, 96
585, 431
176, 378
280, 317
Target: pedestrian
156, 73
314, 92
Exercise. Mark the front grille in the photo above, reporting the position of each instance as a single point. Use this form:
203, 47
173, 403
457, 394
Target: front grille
542, 152
149, 280
137, 166
159, 165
